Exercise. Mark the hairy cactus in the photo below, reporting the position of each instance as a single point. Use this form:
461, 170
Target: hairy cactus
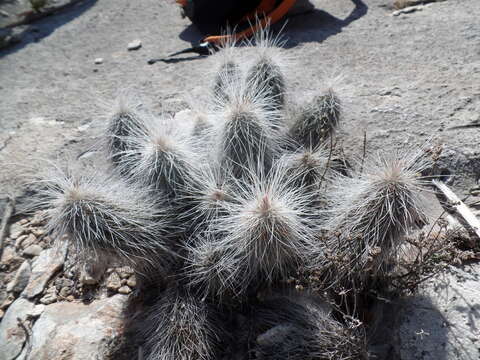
125, 120
181, 327
317, 120
265, 232
303, 327
104, 215
374, 209
224, 211
265, 74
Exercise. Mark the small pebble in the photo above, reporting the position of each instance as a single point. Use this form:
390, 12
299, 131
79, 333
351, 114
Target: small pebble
37, 220
132, 281
33, 250
125, 290
48, 299
134, 45
16, 230
7, 302
87, 279
98, 61
29, 240
124, 272
36, 311
65, 292
19, 241
38, 232
113, 282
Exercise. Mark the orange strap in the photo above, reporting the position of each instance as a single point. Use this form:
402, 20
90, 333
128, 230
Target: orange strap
270, 18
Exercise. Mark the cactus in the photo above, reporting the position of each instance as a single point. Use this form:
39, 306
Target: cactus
126, 119
225, 211
302, 327
159, 155
266, 72
104, 215
317, 120
180, 326
374, 209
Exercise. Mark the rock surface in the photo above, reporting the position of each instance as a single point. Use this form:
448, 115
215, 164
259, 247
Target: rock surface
12, 336
21, 278
443, 321
33, 250
46, 265
76, 331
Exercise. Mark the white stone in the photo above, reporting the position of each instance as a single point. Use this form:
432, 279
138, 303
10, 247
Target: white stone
76, 331
134, 45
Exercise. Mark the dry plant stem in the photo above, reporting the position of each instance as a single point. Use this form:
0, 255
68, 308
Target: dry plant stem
460, 206
7, 214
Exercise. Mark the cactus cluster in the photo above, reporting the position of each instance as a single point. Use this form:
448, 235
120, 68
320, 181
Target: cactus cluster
217, 214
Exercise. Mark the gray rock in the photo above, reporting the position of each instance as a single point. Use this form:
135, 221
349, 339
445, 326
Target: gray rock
65, 291
91, 273
19, 240
86, 279
16, 230
47, 264
38, 232
12, 336
30, 240
443, 320
113, 282
76, 331
10, 257
33, 250
134, 45
61, 283
7, 301
50, 297
36, 311
124, 272
21, 278
98, 61
125, 290
38, 219
132, 281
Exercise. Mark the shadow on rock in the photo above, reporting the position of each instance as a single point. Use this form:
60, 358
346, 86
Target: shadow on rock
412, 328
22, 35
319, 25
312, 26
